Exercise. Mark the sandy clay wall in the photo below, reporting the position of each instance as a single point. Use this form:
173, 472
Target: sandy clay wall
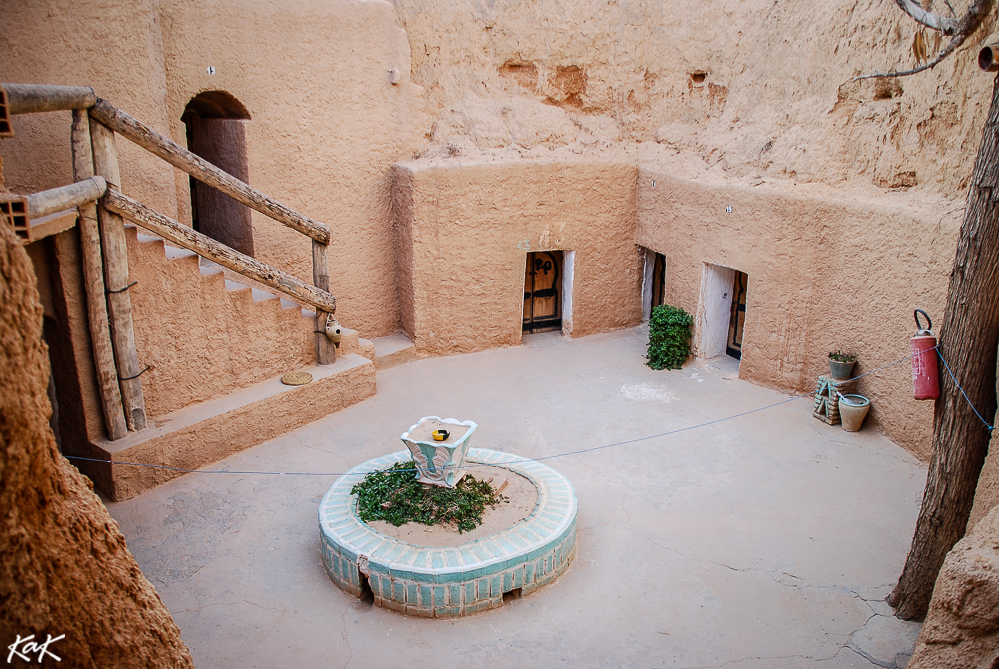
464, 235
823, 274
64, 566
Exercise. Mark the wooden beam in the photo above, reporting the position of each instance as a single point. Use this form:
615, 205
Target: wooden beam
112, 231
53, 224
65, 197
325, 349
183, 236
201, 169
93, 278
32, 98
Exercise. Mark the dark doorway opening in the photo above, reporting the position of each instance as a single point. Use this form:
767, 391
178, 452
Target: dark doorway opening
543, 292
216, 131
659, 280
737, 320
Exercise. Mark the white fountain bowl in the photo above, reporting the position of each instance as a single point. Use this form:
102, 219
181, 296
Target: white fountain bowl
440, 463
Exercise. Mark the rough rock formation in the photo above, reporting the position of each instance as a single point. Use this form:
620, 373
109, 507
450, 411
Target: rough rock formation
64, 566
961, 630
757, 88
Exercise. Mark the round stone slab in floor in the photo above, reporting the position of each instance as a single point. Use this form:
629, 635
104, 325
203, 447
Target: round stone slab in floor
454, 580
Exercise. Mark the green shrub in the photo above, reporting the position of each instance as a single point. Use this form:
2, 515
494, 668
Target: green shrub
395, 496
669, 337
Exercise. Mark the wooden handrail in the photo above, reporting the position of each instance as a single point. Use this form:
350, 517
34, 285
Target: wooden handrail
32, 98
180, 234
102, 238
199, 168
66, 197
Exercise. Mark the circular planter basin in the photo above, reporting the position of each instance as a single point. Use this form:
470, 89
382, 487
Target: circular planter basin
456, 580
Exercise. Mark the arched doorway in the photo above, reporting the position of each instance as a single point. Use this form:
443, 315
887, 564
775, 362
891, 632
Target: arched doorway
216, 131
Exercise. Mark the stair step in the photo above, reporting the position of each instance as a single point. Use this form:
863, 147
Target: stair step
393, 350
234, 285
262, 295
367, 348
204, 433
173, 252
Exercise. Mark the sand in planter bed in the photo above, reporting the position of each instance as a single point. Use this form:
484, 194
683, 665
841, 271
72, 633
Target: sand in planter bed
522, 496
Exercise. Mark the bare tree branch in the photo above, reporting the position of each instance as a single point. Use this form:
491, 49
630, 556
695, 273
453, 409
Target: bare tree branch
947, 50
965, 28
929, 19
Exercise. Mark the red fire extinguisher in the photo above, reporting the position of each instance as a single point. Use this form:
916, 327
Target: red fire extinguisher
925, 377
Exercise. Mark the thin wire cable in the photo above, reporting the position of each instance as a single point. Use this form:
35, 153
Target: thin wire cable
522, 459
966, 398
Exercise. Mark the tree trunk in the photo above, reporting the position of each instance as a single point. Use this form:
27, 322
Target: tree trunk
968, 337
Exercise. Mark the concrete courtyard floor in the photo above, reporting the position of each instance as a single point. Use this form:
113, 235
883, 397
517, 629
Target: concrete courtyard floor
767, 541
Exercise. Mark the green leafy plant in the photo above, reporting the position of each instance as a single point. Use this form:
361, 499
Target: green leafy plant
839, 356
669, 337
396, 496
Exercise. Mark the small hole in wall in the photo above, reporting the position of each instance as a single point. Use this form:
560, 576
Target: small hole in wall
367, 596
698, 78
516, 593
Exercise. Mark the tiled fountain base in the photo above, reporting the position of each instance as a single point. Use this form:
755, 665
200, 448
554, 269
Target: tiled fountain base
454, 580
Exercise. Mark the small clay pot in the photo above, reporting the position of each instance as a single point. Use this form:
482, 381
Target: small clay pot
852, 411
841, 370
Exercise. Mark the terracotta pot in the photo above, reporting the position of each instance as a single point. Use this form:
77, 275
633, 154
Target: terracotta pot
841, 370
852, 411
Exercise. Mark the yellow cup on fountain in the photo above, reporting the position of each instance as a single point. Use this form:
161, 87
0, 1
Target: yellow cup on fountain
440, 435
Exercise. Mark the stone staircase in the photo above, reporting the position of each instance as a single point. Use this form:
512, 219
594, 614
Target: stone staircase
217, 348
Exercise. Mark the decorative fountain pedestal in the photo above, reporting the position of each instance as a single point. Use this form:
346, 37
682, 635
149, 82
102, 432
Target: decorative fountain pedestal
439, 461
458, 579
826, 405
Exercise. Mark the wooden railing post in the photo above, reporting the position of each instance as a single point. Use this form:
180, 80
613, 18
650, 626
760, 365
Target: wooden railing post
93, 278
325, 350
112, 230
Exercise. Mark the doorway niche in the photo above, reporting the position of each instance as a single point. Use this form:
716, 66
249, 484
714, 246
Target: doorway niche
653, 282
721, 316
216, 131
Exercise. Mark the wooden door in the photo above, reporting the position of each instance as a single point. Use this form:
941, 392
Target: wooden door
659, 280
737, 319
543, 292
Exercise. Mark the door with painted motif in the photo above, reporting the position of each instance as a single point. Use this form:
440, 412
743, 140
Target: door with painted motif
543, 292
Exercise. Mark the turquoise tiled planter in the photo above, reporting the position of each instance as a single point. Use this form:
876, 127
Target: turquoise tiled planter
460, 579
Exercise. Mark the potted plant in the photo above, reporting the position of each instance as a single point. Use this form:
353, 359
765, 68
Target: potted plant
841, 364
852, 411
